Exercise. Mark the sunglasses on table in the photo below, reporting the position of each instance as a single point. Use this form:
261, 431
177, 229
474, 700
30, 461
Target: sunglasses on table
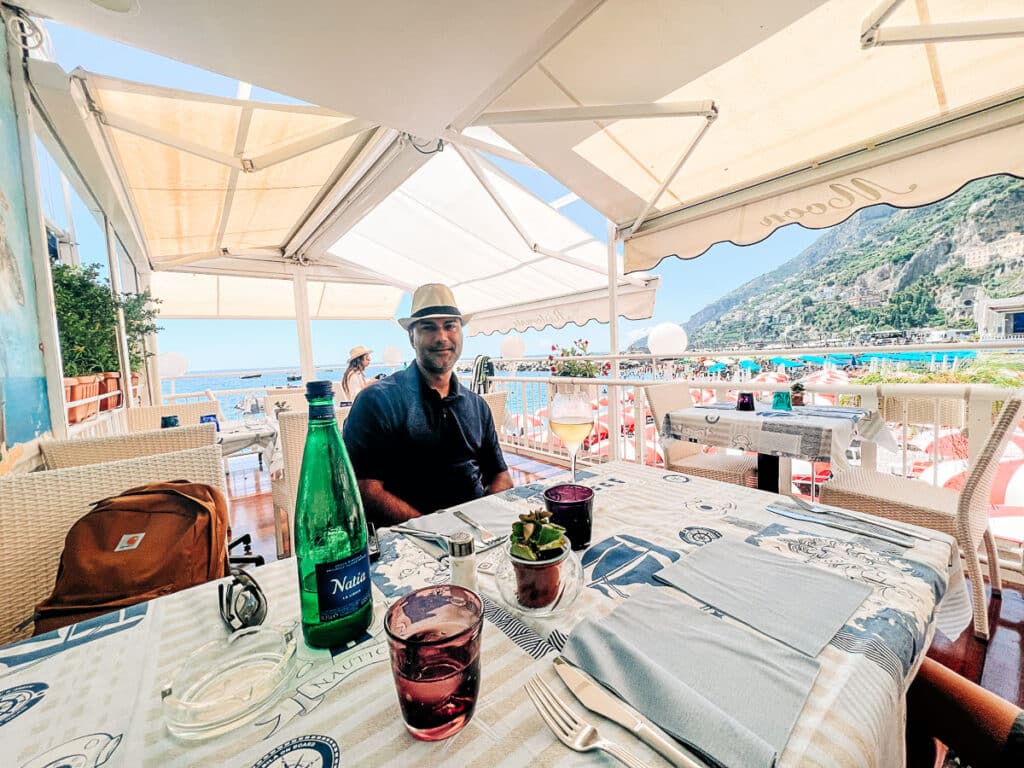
242, 602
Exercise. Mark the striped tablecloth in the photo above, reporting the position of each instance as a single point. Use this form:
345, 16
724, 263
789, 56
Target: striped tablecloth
816, 433
89, 695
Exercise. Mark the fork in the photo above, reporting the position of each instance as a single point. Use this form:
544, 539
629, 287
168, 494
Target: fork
486, 537
577, 734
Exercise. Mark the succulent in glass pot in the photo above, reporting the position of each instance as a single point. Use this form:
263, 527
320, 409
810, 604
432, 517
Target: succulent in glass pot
537, 549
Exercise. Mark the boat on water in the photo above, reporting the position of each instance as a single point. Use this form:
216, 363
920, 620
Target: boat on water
294, 377
250, 375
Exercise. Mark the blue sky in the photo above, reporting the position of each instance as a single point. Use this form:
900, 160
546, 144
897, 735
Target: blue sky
687, 286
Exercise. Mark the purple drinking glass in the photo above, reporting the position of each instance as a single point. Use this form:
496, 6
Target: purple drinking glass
745, 401
434, 638
572, 506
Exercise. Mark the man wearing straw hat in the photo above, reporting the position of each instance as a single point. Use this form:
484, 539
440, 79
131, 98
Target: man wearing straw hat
354, 380
418, 440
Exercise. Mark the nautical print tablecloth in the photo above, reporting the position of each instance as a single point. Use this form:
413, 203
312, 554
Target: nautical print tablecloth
645, 519
815, 433
89, 695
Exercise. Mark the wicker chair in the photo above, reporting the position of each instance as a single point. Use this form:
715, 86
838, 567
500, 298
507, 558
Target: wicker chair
292, 427
40, 507
60, 454
963, 515
148, 417
496, 402
690, 458
294, 398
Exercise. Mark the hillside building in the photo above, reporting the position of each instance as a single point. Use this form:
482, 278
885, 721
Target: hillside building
1009, 247
1000, 318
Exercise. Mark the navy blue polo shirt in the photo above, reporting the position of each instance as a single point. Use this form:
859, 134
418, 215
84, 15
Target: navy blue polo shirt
431, 452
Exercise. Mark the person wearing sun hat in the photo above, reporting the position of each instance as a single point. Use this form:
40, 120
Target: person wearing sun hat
354, 380
418, 440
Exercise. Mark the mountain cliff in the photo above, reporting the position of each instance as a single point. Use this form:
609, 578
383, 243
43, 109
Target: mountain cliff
882, 268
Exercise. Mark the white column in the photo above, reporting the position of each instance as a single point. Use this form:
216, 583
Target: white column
40, 280
613, 343
303, 327
65, 188
153, 382
122, 334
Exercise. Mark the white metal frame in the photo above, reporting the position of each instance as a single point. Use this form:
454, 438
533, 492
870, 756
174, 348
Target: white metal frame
42, 282
873, 35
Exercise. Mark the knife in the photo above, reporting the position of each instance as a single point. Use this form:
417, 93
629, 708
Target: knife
596, 698
816, 509
905, 542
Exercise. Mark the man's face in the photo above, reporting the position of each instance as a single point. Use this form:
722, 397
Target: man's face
438, 344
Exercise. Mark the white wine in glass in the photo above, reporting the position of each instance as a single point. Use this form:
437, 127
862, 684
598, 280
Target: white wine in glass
571, 419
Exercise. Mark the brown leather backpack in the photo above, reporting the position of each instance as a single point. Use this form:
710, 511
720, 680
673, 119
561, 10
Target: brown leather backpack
143, 543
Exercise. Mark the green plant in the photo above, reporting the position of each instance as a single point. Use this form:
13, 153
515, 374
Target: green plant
585, 369
87, 321
534, 537
797, 387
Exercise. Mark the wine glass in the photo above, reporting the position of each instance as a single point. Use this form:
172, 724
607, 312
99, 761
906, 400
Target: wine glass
571, 417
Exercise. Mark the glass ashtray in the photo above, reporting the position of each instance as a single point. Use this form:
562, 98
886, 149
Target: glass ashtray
227, 682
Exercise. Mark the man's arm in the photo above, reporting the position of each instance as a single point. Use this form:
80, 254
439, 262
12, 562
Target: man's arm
501, 482
383, 507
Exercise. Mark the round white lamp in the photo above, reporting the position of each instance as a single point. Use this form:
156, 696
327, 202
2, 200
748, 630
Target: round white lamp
512, 346
667, 340
392, 356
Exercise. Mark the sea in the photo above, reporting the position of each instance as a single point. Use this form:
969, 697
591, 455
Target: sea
236, 406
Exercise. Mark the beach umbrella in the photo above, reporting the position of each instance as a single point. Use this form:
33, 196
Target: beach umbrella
952, 444
770, 377
702, 396
826, 377
785, 362
750, 365
717, 368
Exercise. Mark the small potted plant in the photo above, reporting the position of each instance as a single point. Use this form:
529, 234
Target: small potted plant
798, 393
537, 549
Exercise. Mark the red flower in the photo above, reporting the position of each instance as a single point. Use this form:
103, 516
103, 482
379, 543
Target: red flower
553, 369
554, 348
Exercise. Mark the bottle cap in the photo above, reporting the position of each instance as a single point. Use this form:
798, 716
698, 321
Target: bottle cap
319, 389
460, 544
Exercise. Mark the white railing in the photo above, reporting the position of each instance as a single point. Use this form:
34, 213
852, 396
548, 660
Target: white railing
526, 424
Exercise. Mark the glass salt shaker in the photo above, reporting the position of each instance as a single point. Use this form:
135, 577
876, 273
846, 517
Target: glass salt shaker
462, 559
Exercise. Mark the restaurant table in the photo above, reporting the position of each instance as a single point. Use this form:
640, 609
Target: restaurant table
237, 436
814, 433
94, 688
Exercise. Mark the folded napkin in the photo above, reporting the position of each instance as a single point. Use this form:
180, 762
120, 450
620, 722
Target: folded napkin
797, 604
728, 692
492, 513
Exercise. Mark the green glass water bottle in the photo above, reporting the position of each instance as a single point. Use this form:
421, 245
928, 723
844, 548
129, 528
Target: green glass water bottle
330, 532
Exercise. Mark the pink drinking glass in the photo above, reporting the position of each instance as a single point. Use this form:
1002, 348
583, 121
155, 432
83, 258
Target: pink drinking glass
434, 639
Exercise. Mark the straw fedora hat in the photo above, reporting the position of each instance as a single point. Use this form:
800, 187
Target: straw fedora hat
358, 351
431, 301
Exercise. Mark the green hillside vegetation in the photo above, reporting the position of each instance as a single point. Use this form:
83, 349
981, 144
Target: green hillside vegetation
884, 268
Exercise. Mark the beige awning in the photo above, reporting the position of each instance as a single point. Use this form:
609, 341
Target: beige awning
227, 297
693, 116
633, 303
209, 176
235, 199
461, 221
